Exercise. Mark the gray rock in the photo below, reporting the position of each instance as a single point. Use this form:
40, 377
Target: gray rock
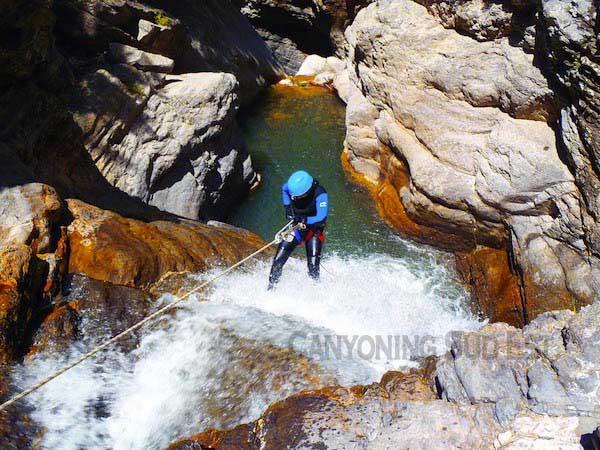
150, 62
28, 214
568, 38
551, 367
64, 92
183, 154
284, 50
147, 31
480, 19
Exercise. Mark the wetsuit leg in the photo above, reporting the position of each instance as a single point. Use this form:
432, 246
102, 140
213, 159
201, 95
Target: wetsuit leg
314, 246
284, 251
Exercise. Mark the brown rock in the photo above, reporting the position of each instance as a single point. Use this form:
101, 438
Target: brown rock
57, 330
416, 384
109, 247
91, 310
495, 289
385, 193
235, 439
21, 282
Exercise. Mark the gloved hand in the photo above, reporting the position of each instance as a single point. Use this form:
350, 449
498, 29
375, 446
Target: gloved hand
289, 212
299, 219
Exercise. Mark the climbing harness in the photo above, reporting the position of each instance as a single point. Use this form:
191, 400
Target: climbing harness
288, 229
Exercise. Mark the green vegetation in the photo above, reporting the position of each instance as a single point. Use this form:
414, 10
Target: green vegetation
136, 88
162, 20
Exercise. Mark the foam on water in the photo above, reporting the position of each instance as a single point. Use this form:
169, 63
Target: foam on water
221, 362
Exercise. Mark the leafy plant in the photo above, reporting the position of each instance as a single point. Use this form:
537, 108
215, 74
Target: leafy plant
162, 20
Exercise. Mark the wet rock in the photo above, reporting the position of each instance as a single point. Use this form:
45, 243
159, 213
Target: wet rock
468, 154
490, 392
109, 247
312, 420
91, 310
183, 153
333, 417
495, 290
22, 277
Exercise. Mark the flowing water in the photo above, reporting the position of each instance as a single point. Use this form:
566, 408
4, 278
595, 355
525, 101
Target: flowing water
382, 302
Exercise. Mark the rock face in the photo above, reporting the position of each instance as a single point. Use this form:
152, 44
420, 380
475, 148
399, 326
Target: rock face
468, 148
496, 388
91, 310
294, 29
87, 75
550, 367
486, 21
570, 41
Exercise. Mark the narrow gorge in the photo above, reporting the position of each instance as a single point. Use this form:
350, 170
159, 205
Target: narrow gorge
145, 143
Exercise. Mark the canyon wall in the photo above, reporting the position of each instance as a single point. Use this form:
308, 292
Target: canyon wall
474, 122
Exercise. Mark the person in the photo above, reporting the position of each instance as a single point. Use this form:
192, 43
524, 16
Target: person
305, 201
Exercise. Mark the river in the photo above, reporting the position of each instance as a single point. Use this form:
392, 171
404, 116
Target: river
381, 304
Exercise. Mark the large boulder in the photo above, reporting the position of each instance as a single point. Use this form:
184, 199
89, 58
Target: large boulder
90, 310
460, 141
183, 153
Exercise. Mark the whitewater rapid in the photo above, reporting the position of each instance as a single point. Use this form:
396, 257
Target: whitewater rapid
223, 357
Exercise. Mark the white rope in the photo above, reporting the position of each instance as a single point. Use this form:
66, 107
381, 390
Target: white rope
288, 228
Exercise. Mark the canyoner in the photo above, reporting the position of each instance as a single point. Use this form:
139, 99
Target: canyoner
306, 202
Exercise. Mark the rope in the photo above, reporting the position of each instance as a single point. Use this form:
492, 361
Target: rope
288, 228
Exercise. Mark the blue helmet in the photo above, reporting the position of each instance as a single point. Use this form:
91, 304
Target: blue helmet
299, 183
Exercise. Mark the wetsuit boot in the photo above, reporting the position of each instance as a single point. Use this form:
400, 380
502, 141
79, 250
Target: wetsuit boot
284, 251
314, 247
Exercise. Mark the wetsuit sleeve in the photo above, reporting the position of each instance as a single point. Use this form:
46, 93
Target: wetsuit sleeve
322, 204
285, 195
